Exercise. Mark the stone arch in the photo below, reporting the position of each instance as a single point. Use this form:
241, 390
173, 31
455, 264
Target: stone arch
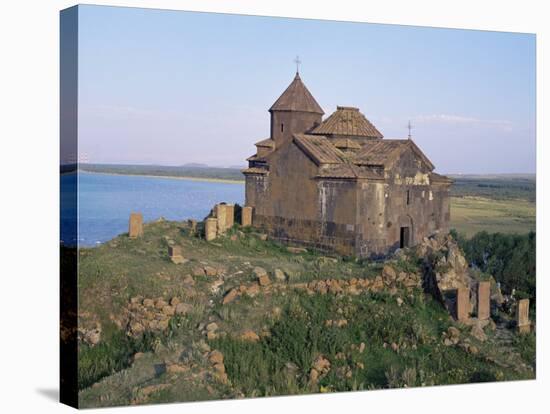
406, 231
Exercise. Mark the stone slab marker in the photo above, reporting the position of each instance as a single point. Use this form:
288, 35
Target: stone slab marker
462, 303
246, 216
192, 226
136, 225
522, 316
221, 215
229, 215
174, 252
483, 300
210, 228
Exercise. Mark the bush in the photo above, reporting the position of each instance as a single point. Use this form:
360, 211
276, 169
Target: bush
510, 258
106, 358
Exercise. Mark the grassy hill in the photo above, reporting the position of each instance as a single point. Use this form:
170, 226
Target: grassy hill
244, 317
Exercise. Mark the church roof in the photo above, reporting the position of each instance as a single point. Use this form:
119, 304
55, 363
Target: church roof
347, 120
255, 170
346, 143
297, 98
440, 178
266, 143
384, 152
348, 171
319, 149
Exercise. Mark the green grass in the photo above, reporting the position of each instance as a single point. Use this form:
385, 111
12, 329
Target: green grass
108, 357
300, 335
113, 273
470, 215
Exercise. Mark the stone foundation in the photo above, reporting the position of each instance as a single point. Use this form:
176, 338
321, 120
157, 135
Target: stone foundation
329, 237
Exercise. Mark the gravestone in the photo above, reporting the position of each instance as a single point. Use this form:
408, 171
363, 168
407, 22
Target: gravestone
483, 300
522, 316
246, 216
221, 214
192, 224
174, 252
229, 216
136, 225
462, 303
210, 228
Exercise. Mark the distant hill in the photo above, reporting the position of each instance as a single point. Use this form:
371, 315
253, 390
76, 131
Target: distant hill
188, 170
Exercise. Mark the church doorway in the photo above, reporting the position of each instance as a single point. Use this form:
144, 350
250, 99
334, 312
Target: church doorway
404, 237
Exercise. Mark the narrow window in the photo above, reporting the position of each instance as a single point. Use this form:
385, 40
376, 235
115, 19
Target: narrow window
408, 197
282, 127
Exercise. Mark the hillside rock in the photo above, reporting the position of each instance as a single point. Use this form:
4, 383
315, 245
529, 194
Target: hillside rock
279, 275
249, 336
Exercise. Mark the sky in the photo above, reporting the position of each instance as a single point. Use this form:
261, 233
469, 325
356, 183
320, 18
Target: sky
172, 87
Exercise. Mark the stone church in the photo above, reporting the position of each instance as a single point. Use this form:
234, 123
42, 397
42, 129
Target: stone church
338, 185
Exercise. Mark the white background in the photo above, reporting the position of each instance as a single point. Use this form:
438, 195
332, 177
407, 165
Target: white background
29, 141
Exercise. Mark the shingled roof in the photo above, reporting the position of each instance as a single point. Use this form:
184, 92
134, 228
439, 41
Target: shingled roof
266, 143
297, 98
386, 151
347, 120
319, 149
348, 171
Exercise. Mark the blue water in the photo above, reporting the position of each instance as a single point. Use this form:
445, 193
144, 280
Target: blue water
105, 202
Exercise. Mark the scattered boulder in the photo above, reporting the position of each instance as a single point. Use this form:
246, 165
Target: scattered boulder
321, 365
259, 272
389, 274
198, 271
296, 250
188, 280
262, 276
211, 327
313, 376
453, 333
478, 333
176, 368
249, 336
279, 275
215, 357
252, 290
183, 309
210, 271
93, 336
168, 310
230, 296
178, 259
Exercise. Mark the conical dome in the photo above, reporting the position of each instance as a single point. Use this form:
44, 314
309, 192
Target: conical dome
297, 98
348, 121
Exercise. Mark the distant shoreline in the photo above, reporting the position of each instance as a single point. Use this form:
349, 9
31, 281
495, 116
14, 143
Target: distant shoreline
204, 179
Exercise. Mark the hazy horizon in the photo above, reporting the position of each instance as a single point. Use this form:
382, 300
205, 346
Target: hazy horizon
170, 88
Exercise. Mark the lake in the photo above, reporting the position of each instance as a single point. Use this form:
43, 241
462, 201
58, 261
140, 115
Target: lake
105, 202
